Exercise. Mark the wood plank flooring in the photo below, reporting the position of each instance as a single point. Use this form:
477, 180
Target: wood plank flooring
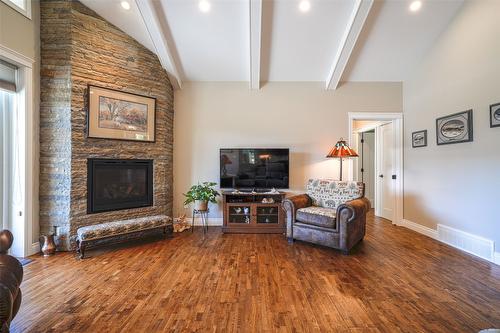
395, 281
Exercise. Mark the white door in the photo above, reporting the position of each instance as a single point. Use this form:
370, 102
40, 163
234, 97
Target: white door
385, 171
366, 163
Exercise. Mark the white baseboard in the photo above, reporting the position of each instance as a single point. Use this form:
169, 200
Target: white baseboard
470, 243
421, 229
212, 221
496, 258
35, 248
473, 244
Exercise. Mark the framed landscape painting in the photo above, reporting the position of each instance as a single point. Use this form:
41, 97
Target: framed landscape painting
495, 115
455, 128
118, 115
419, 139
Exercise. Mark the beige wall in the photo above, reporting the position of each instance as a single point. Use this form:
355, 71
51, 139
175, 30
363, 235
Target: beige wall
301, 116
362, 124
457, 185
20, 34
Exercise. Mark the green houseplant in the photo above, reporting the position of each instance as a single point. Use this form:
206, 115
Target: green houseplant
201, 194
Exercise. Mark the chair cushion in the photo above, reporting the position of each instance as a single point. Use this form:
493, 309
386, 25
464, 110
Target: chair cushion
121, 227
333, 193
319, 216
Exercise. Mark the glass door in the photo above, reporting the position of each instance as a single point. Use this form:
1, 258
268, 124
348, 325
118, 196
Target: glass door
239, 213
268, 214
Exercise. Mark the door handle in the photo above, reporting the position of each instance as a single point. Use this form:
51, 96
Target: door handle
381, 176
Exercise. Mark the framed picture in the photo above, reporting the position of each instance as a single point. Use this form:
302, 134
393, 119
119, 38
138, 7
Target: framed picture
455, 128
419, 139
495, 115
118, 115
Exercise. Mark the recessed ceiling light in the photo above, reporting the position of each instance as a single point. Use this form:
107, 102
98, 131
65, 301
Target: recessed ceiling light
125, 5
416, 5
204, 6
304, 6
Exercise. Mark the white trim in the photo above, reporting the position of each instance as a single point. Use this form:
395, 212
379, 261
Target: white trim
496, 258
354, 26
15, 57
255, 19
22, 216
26, 12
376, 183
375, 115
429, 232
35, 248
158, 31
473, 244
212, 221
30, 158
397, 120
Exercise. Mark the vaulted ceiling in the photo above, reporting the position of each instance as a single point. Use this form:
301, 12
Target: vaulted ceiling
273, 40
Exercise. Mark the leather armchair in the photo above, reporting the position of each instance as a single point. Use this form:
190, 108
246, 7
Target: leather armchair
331, 213
11, 275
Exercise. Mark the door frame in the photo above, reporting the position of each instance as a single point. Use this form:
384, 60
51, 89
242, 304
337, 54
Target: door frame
25, 216
397, 120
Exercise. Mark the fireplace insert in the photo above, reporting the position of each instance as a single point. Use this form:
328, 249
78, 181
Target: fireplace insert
114, 184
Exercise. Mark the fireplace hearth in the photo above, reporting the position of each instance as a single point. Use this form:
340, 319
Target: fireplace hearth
115, 184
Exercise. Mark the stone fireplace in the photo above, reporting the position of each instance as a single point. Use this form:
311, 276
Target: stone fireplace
79, 48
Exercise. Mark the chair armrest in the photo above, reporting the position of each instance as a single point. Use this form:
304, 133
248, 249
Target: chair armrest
351, 219
11, 276
290, 205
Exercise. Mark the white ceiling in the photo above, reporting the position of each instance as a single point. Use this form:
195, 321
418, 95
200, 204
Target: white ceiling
295, 46
212, 46
394, 40
303, 46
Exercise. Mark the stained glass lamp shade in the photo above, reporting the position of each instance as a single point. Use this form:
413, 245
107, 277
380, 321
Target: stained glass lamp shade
341, 150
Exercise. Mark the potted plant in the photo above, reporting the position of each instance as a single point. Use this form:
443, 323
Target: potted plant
201, 194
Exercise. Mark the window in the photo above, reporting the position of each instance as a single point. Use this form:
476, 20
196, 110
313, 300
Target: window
22, 6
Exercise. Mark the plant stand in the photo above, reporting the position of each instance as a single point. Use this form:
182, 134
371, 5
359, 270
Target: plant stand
204, 219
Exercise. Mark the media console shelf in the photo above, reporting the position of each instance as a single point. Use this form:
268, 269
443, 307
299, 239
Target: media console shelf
247, 213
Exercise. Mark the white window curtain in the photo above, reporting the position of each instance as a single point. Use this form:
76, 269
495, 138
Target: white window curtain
6, 104
11, 195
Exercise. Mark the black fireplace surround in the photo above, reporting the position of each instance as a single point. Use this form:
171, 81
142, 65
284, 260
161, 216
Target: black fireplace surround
114, 184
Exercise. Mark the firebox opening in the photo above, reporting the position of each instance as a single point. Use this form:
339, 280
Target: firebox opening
115, 184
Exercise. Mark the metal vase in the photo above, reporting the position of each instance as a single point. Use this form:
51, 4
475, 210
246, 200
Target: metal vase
48, 245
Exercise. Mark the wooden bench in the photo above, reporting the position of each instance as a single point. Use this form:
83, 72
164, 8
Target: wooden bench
119, 231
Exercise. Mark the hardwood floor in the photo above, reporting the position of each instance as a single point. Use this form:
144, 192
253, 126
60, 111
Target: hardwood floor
395, 281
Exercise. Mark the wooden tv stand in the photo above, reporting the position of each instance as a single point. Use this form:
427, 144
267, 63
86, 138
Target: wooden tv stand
246, 213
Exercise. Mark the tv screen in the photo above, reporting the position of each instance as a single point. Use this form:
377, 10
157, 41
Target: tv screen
254, 168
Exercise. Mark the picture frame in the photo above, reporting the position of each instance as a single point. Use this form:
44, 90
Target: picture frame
419, 139
495, 115
454, 128
118, 115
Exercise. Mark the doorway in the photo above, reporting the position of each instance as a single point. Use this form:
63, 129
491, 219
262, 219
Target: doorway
378, 139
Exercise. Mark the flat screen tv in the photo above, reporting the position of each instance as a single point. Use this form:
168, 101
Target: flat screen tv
254, 168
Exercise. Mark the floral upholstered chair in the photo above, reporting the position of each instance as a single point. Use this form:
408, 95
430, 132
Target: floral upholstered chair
331, 213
